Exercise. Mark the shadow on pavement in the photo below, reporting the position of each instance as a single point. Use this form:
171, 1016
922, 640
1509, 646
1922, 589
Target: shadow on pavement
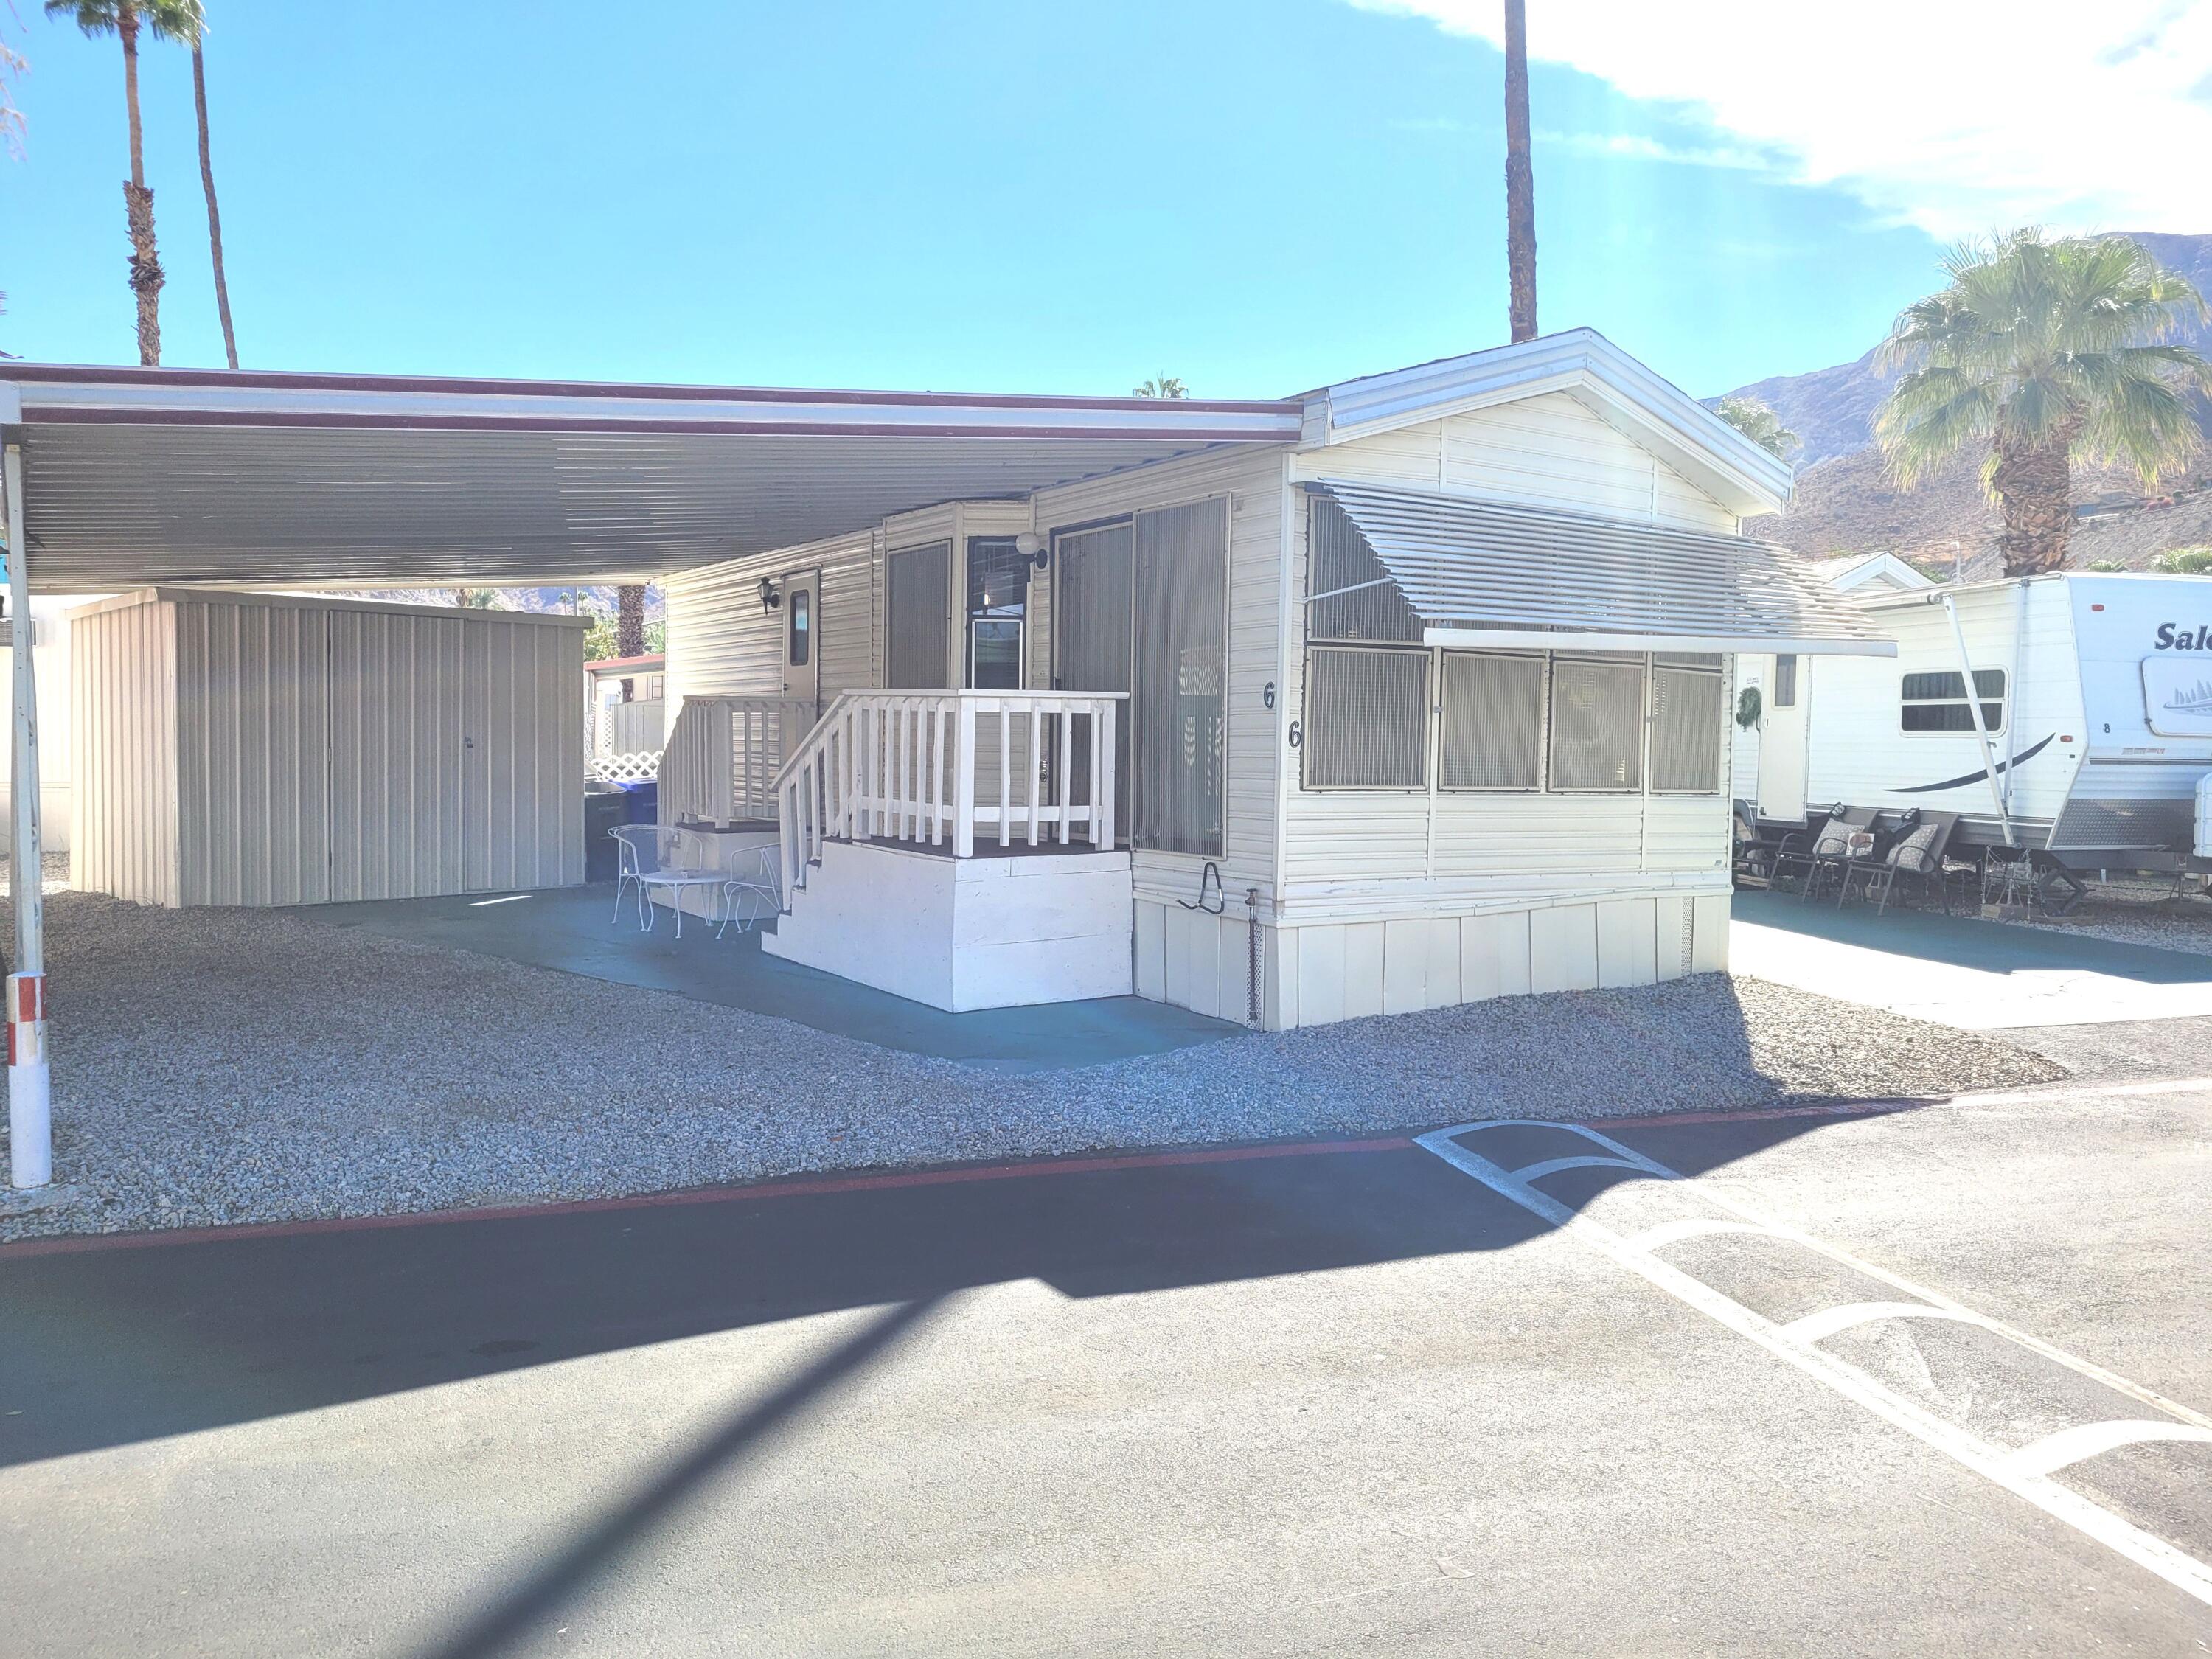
108, 1346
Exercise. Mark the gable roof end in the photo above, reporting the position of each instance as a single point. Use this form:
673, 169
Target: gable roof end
1645, 408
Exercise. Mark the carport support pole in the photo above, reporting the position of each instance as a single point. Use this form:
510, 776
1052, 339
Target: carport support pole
30, 1112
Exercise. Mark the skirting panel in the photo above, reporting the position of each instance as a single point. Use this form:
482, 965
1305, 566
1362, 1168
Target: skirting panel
964, 933
1321, 973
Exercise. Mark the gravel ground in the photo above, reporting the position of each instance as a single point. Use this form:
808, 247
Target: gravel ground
54, 871
233, 1066
2144, 913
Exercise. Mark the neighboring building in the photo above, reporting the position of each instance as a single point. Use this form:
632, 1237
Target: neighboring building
1428, 704
2086, 740
613, 726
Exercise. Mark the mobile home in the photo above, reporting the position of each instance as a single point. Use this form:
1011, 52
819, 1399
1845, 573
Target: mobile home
2094, 695
1428, 702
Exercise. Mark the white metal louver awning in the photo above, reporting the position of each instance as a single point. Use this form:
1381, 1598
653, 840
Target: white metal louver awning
1483, 572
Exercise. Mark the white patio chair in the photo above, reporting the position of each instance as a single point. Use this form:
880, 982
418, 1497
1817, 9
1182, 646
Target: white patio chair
652, 855
759, 872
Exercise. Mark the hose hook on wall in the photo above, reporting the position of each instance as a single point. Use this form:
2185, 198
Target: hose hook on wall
1208, 878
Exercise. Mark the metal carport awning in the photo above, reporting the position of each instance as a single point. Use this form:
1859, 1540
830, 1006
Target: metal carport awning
1487, 573
134, 477
122, 478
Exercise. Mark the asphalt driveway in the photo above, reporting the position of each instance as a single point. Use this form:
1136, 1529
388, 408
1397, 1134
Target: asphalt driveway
1326, 1399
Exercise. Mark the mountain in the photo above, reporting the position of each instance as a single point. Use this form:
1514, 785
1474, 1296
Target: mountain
1846, 501
590, 601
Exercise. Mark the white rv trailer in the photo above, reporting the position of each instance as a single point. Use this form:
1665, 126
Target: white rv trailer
2095, 697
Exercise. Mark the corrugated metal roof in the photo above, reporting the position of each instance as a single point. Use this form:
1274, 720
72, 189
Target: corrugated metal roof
1471, 566
139, 477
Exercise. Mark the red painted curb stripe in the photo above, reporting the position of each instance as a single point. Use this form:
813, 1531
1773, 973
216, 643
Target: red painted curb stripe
64, 1243
810, 1186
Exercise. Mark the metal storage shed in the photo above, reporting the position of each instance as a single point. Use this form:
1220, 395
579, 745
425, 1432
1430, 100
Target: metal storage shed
268, 748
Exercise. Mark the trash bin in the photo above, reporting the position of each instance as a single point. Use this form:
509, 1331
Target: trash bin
606, 805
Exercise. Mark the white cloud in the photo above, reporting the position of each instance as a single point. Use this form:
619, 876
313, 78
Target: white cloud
1958, 116
1635, 147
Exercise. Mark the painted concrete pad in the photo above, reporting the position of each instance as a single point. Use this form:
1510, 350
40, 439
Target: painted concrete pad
570, 929
1961, 971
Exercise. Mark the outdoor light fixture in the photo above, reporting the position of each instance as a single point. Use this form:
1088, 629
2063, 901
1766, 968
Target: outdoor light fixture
1034, 547
770, 595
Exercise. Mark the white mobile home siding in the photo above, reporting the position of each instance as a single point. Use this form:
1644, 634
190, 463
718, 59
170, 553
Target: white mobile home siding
1401, 899
1550, 451
1186, 956
722, 644
264, 749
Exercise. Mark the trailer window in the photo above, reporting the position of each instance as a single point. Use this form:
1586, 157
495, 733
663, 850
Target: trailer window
1597, 724
1686, 725
998, 608
1785, 682
1936, 702
1367, 723
1493, 722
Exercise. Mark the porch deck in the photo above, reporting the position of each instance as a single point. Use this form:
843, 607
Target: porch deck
569, 929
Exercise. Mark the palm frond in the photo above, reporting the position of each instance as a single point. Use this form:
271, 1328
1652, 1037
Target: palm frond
2040, 342
1931, 415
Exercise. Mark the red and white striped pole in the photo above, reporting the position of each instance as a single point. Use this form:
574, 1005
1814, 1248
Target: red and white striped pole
30, 1108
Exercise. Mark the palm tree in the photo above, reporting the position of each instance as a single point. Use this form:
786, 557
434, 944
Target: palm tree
1520, 177
2036, 348
1160, 386
207, 188
12, 64
629, 629
2184, 562
173, 20
1760, 424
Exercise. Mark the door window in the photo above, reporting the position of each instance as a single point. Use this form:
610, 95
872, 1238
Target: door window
801, 607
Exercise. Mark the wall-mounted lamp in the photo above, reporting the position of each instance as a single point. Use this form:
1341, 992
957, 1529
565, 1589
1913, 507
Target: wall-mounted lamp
1034, 547
770, 595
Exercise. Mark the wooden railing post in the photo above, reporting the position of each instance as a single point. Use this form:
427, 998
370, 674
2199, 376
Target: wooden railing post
963, 779
1103, 753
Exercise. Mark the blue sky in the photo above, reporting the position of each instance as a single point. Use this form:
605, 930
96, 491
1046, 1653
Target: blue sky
1257, 195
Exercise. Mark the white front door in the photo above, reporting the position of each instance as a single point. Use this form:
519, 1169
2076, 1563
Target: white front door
802, 635
1782, 740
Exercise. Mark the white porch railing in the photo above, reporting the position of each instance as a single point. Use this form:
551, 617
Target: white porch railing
723, 757
936, 767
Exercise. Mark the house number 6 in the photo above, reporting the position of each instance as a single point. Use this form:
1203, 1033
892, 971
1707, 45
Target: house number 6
1298, 737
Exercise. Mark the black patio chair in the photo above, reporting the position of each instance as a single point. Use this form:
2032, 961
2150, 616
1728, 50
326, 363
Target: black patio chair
1828, 851
1755, 849
1914, 855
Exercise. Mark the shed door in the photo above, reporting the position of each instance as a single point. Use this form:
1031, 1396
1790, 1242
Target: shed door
395, 754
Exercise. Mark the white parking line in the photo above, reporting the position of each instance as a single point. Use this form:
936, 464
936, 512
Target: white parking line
2025, 1471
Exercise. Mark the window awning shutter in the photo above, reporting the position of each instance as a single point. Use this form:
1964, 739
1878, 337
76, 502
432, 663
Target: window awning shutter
1480, 573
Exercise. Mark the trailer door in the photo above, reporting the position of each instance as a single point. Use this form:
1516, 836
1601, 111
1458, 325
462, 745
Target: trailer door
1782, 742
